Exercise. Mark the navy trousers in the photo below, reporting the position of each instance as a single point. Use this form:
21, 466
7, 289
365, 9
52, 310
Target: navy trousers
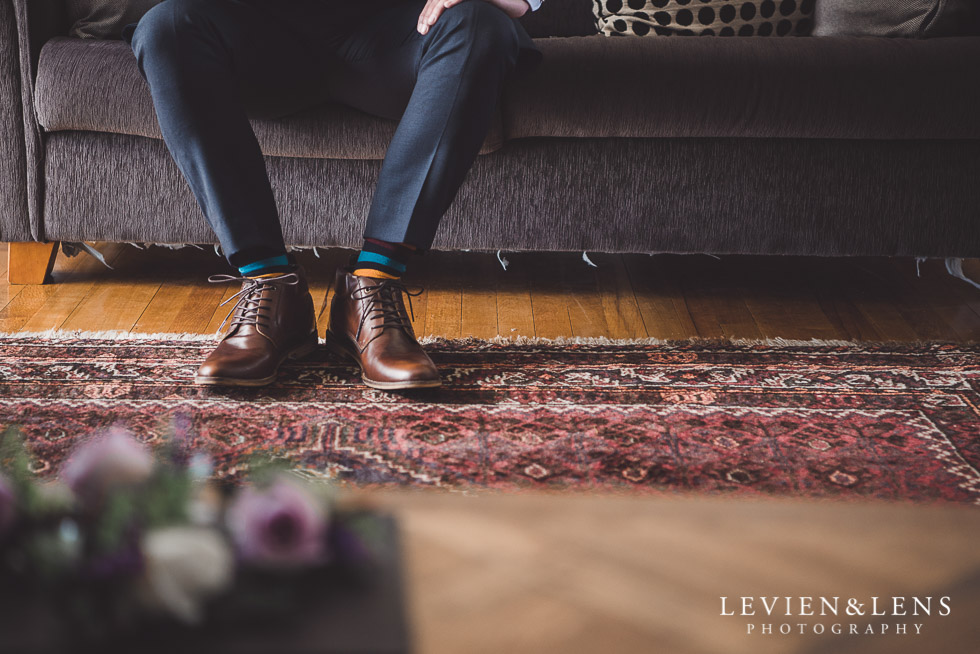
212, 64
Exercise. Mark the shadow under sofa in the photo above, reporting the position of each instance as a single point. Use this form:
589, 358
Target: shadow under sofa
830, 146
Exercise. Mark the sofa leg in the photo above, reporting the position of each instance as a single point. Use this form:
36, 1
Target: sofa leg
30, 262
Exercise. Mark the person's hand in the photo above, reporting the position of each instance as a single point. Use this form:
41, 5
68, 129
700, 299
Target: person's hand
434, 8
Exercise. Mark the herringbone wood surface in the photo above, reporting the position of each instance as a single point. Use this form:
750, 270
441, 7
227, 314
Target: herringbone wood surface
577, 574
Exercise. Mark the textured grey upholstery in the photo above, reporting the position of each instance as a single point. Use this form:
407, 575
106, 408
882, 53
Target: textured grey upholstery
773, 196
14, 219
910, 18
590, 86
37, 21
561, 18
91, 85
105, 19
833, 87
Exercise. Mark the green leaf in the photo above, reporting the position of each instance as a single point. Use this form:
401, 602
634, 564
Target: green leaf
117, 517
164, 500
15, 463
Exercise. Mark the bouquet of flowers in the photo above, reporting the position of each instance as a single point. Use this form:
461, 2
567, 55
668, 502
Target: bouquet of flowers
126, 537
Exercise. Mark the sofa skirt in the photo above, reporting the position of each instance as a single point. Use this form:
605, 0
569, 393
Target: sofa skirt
822, 197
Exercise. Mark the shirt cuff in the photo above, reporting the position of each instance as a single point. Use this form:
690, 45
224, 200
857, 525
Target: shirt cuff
534, 4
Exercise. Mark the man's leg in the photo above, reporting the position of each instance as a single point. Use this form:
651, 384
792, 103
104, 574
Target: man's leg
209, 63
445, 86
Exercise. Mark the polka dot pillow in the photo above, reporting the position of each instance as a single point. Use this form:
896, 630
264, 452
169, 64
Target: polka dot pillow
704, 17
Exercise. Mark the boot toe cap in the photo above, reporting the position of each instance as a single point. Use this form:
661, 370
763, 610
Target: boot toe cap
405, 371
238, 368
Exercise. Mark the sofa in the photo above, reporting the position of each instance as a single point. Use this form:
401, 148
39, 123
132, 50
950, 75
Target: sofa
830, 146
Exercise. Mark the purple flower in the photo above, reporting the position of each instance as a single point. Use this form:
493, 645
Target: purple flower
112, 460
283, 525
7, 506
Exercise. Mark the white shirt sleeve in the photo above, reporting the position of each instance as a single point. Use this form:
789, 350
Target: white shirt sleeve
535, 4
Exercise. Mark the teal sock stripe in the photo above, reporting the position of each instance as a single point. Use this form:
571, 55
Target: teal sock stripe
281, 260
380, 259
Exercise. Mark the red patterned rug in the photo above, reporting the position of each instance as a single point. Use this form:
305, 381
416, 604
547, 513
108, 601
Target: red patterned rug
897, 422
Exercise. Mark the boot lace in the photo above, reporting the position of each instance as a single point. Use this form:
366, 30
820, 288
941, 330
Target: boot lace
248, 309
383, 303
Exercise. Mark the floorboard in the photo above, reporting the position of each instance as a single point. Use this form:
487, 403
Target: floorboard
549, 299
715, 296
515, 310
662, 305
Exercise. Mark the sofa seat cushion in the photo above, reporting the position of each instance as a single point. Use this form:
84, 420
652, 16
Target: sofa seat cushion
96, 86
807, 87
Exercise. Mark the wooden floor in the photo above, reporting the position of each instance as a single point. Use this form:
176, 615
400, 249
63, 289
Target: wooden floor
545, 295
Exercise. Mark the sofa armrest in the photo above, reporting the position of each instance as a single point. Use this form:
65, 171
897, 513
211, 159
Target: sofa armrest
14, 220
25, 26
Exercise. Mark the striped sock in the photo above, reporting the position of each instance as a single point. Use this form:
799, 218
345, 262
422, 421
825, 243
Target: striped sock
267, 266
382, 259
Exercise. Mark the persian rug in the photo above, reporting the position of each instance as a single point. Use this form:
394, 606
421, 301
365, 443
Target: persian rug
821, 419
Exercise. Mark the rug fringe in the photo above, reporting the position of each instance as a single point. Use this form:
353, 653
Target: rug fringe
602, 340
111, 335
108, 335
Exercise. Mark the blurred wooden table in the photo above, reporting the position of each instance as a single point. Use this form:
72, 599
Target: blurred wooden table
581, 573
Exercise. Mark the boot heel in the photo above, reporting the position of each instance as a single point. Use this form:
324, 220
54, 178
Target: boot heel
305, 349
334, 345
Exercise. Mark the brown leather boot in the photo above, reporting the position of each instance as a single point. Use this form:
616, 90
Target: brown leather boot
369, 324
273, 320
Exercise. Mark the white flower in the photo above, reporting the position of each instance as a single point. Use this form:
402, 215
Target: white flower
184, 567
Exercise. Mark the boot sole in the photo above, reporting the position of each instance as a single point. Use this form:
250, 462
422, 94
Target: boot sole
298, 352
339, 347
